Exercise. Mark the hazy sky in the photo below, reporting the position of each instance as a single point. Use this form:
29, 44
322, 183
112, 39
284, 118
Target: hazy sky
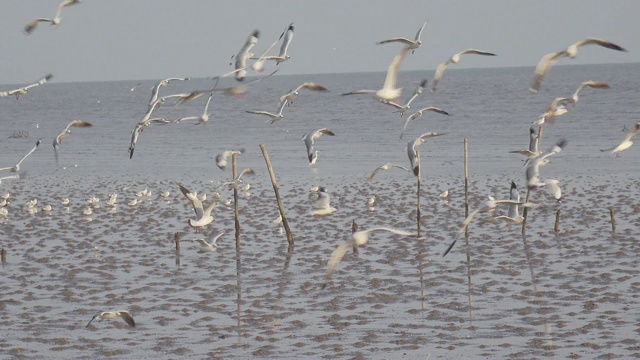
151, 39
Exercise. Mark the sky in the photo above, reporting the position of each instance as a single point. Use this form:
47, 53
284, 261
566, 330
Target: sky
108, 40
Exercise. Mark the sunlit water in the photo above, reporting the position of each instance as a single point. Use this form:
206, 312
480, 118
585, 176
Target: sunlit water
574, 293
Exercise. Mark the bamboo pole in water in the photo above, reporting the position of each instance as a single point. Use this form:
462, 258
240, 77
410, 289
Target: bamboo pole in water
466, 230
234, 173
285, 223
418, 214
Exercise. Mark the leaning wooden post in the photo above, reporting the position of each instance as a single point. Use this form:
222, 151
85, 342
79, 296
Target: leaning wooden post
234, 173
285, 223
418, 214
613, 220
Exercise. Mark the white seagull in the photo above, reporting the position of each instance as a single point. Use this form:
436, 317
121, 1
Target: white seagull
155, 92
125, 315
235, 184
211, 245
532, 151
291, 95
532, 171
411, 44
551, 58
513, 215
322, 202
24, 90
486, 207
406, 106
203, 216
66, 132
222, 158
558, 107
419, 114
359, 238
258, 65
202, 119
386, 166
284, 48
274, 117
389, 90
591, 84
56, 19
454, 60
16, 167
244, 54
412, 152
309, 141
626, 143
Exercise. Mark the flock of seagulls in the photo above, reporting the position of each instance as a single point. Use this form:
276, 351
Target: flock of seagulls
389, 94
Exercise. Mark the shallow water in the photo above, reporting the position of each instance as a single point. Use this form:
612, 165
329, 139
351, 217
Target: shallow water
570, 294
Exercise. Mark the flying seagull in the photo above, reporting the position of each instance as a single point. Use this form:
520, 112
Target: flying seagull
56, 19
202, 119
24, 90
591, 84
419, 114
532, 151
532, 171
244, 54
274, 117
203, 216
411, 44
626, 143
293, 94
412, 152
571, 52
66, 132
284, 48
322, 202
309, 141
155, 92
389, 90
386, 166
211, 245
406, 106
513, 215
221, 159
359, 238
125, 315
454, 60
258, 65
558, 107
16, 167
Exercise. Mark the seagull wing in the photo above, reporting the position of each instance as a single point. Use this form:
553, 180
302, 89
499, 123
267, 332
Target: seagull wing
126, 316
195, 202
543, 66
392, 72
288, 37
398, 39
438, 75
603, 43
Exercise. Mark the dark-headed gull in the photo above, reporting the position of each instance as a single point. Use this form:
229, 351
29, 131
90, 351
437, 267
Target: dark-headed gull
406, 106
24, 90
54, 21
322, 202
411, 44
571, 52
66, 132
258, 65
16, 167
125, 315
274, 117
244, 54
202, 119
284, 48
591, 84
222, 158
386, 166
626, 143
291, 95
358, 238
558, 107
532, 171
532, 151
419, 114
412, 152
155, 92
211, 245
203, 216
454, 60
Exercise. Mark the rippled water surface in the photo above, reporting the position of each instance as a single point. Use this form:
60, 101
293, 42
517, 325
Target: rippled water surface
567, 294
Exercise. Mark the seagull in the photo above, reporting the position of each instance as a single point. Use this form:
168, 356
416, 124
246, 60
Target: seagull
389, 90
291, 95
487, 206
24, 90
411, 44
626, 143
209, 246
274, 117
202, 119
532, 151
203, 216
155, 92
221, 159
407, 105
309, 141
413, 153
359, 238
16, 167
237, 91
591, 84
419, 114
557, 108
258, 65
66, 132
56, 19
571, 52
125, 315
386, 166
244, 54
454, 60
322, 202
513, 215
16, 176
235, 184
282, 56
533, 171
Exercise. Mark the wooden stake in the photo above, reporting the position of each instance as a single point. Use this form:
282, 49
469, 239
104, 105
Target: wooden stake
466, 230
418, 214
556, 226
3, 255
613, 220
285, 223
176, 239
525, 212
234, 173
354, 228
